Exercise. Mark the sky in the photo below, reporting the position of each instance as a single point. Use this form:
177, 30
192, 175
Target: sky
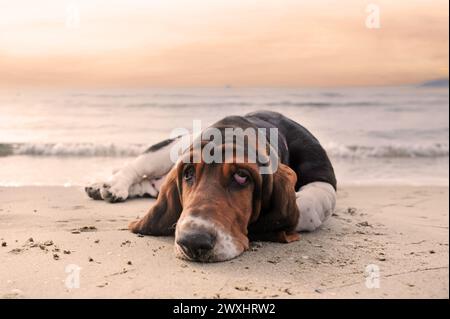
198, 43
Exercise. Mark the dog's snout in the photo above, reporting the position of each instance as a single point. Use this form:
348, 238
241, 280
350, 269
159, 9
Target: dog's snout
196, 244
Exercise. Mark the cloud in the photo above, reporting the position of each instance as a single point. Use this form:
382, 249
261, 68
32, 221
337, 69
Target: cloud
243, 43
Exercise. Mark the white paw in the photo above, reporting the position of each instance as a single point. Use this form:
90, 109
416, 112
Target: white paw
93, 191
316, 201
310, 216
114, 193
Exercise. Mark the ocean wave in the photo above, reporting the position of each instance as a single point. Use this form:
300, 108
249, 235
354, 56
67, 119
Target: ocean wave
282, 103
72, 149
186, 105
325, 104
387, 151
130, 150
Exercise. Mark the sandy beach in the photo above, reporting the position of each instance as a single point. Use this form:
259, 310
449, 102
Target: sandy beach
402, 232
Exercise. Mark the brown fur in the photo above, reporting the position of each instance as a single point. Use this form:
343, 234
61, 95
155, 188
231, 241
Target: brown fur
163, 215
265, 209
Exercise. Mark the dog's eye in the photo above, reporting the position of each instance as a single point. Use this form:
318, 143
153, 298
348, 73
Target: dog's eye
241, 177
189, 173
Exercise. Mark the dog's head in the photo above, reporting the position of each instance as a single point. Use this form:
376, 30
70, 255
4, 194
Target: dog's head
215, 208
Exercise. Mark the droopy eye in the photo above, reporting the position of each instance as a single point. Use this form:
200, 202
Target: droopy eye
241, 177
188, 173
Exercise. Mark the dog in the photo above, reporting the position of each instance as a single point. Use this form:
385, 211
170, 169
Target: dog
214, 208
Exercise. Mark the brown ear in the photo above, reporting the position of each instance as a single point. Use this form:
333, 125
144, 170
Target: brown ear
164, 214
277, 221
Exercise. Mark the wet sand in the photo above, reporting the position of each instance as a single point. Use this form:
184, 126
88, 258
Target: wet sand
400, 232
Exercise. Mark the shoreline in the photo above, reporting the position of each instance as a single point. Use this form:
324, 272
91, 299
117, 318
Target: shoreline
401, 231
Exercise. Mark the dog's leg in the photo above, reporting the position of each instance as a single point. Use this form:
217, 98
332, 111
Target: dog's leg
316, 202
93, 190
153, 164
146, 188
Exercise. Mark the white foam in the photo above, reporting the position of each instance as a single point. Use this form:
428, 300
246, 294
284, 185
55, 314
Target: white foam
79, 149
114, 150
387, 151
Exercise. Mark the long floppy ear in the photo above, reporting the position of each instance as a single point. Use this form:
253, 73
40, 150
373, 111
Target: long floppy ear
163, 215
278, 219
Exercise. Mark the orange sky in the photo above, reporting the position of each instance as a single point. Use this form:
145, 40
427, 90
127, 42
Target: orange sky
214, 43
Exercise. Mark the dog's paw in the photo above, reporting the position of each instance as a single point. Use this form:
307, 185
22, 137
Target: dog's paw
94, 191
114, 193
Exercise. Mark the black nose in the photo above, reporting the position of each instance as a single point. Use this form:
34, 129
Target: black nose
197, 244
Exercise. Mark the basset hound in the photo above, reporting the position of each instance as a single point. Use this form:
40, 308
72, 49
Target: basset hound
215, 207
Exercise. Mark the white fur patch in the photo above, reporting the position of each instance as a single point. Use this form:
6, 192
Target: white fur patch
151, 165
316, 202
139, 176
225, 247
146, 188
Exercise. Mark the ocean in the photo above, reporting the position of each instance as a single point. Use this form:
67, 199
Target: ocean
374, 136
